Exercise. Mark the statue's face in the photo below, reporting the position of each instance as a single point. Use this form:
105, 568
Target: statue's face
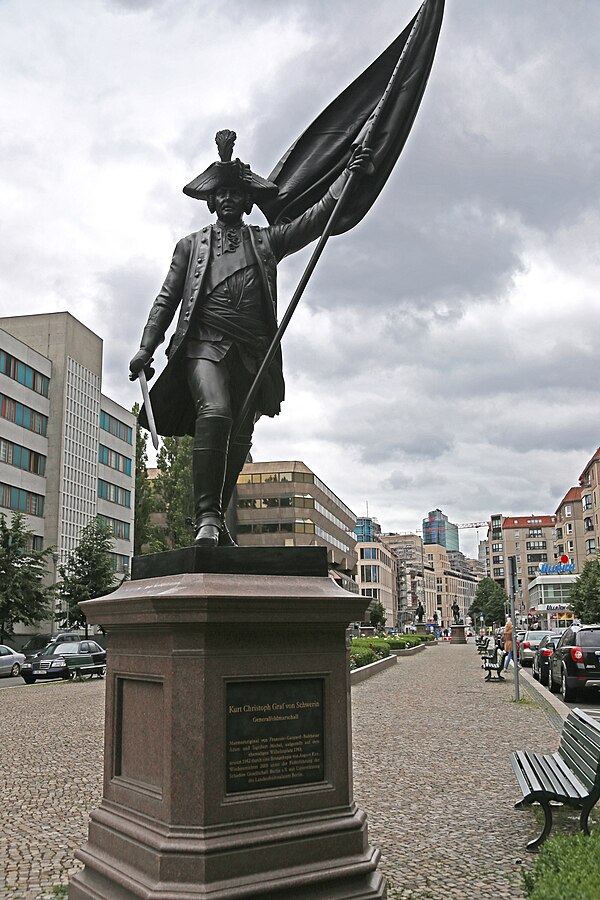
229, 204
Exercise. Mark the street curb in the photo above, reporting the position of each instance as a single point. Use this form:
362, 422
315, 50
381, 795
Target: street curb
410, 651
539, 692
364, 672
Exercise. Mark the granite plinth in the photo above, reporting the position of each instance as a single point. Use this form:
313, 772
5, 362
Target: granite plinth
458, 634
228, 767
307, 561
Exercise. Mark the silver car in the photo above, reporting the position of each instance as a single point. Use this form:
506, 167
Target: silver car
529, 645
10, 661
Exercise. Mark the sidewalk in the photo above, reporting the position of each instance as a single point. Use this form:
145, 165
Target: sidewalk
431, 767
431, 745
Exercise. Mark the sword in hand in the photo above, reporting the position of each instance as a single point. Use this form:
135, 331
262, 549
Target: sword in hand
147, 404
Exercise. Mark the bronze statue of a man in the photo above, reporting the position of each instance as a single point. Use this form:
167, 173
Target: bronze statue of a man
223, 280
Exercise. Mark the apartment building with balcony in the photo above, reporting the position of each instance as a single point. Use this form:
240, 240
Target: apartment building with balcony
570, 531
530, 540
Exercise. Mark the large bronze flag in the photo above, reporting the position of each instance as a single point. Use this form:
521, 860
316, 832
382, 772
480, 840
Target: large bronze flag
314, 161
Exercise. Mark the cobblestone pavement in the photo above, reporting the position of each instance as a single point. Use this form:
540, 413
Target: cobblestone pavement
431, 768
431, 744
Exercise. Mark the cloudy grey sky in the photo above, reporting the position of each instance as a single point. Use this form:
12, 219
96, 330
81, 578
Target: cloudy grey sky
445, 353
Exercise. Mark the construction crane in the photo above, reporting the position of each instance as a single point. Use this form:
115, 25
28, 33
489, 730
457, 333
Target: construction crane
473, 525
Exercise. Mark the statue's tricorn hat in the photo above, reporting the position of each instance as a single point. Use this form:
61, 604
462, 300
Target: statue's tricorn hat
229, 173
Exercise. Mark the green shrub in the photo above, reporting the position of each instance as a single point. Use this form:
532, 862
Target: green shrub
361, 656
566, 866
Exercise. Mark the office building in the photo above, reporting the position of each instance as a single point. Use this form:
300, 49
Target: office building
438, 530
377, 569
67, 452
285, 504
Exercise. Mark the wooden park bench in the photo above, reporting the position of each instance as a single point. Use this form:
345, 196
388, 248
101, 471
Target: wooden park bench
83, 664
571, 776
494, 664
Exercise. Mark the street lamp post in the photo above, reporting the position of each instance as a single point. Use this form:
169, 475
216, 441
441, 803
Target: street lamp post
55, 561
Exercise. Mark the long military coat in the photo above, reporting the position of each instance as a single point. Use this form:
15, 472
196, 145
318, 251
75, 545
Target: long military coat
183, 287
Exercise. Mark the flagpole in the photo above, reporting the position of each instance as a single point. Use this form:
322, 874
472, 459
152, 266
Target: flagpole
363, 142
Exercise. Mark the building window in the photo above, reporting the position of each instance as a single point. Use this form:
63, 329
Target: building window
24, 374
569, 528
21, 501
532, 570
499, 573
568, 510
536, 545
370, 592
116, 427
114, 460
275, 477
586, 501
590, 546
559, 534
22, 415
535, 533
496, 560
120, 563
22, 457
369, 573
113, 493
368, 553
588, 523
497, 548
119, 528
537, 557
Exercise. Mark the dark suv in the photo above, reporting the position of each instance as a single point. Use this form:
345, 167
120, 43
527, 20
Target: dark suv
575, 663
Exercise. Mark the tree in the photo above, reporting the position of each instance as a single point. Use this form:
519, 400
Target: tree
23, 596
174, 490
378, 616
490, 599
144, 495
585, 594
88, 573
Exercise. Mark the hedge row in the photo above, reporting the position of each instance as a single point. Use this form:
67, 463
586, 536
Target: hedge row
366, 650
568, 865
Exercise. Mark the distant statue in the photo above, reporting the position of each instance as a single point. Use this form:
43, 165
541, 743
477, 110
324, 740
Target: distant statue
456, 612
420, 613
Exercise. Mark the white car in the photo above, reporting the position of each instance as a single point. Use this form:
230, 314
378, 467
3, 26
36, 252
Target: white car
10, 661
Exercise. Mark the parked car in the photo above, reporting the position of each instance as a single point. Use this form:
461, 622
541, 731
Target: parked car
10, 661
529, 645
38, 642
51, 662
575, 664
541, 658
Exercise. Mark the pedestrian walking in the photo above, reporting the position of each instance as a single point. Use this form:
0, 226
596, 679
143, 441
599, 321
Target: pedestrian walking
508, 636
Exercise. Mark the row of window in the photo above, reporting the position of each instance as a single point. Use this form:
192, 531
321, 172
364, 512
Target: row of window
22, 415
295, 500
20, 500
116, 427
119, 528
114, 493
371, 592
276, 478
22, 457
24, 374
113, 459
300, 526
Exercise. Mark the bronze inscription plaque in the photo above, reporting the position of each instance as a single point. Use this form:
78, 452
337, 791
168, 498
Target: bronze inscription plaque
274, 733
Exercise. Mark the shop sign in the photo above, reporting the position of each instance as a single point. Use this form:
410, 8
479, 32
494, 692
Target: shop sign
560, 569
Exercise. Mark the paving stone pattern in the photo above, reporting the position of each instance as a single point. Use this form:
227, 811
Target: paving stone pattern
431, 767
431, 744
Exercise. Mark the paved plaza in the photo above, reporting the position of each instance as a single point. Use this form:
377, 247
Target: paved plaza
431, 768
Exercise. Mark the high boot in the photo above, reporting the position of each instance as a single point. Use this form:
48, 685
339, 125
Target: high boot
208, 466
236, 457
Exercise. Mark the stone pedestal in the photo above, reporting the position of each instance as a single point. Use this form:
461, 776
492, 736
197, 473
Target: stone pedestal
458, 634
227, 767
421, 628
